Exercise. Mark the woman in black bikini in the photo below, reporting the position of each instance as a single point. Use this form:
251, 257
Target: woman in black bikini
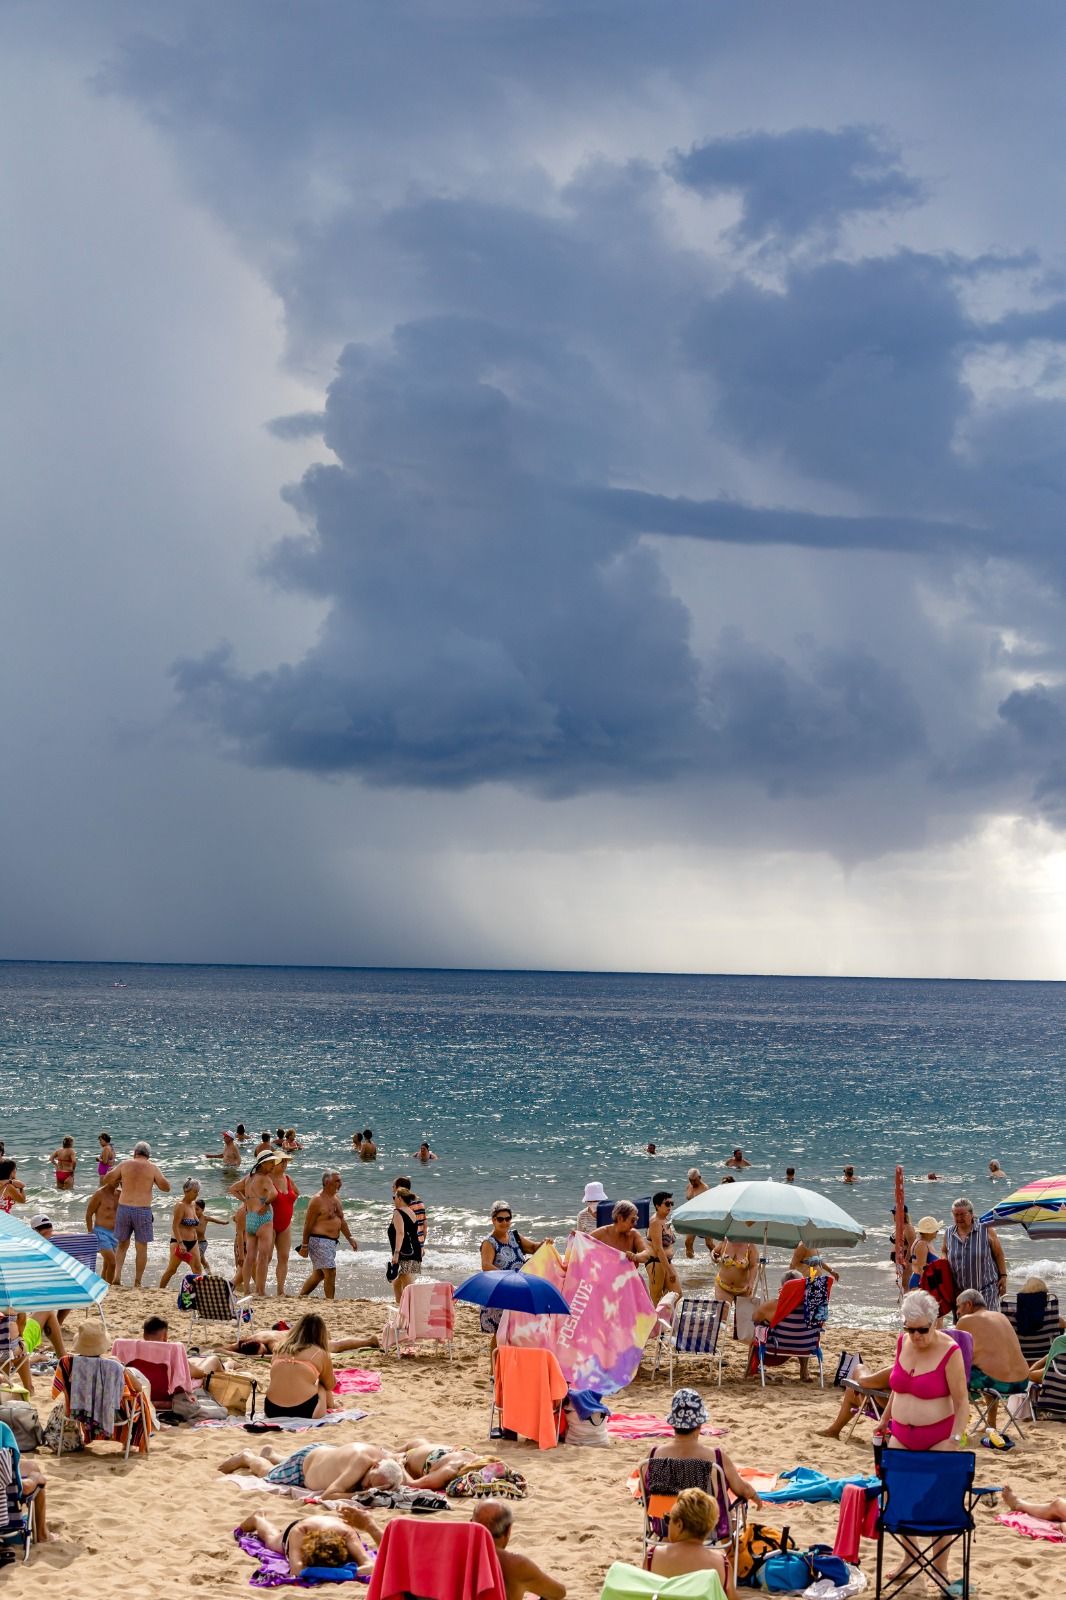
185, 1237
301, 1373
325, 1540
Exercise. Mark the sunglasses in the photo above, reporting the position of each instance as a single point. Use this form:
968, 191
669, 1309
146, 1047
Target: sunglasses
924, 1327
501, 1216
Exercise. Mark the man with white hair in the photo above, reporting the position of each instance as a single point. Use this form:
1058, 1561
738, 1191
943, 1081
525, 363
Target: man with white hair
694, 1186
521, 1575
999, 1365
325, 1470
324, 1223
138, 1176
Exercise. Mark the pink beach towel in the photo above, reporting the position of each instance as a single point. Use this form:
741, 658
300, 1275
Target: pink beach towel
645, 1425
1034, 1527
164, 1353
427, 1311
353, 1380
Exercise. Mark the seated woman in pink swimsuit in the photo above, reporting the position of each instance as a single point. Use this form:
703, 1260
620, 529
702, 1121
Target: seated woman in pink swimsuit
929, 1405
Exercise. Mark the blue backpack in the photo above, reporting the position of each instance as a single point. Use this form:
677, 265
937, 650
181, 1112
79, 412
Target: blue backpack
783, 1572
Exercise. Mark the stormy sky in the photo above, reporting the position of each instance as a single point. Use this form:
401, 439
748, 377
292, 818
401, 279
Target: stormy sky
566, 483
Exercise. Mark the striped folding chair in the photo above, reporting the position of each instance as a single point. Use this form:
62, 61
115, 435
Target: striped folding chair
1038, 1315
695, 1332
213, 1300
1049, 1396
662, 1478
84, 1247
16, 1505
791, 1337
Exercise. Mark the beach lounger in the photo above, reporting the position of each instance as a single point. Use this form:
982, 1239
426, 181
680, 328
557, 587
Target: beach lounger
426, 1311
445, 1561
213, 1300
16, 1506
926, 1499
1035, 1319
661, 1481
1049, 1395
696, 1329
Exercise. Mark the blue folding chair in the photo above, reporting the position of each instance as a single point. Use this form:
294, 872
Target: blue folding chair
926, 1505
696, 1329
16, 1506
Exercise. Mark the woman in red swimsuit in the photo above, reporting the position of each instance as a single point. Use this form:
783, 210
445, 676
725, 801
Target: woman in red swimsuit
282, 1206
929, 1406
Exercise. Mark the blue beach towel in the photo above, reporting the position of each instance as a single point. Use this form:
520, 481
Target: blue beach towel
806, 1483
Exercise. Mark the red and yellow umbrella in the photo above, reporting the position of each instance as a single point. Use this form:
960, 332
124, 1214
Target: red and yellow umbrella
1039, 1207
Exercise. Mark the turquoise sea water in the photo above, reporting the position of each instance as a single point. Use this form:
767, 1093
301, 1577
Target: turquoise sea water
529, 1084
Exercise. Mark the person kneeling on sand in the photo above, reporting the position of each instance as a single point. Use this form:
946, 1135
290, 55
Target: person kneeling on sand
692, 1520
521, 1575
326, 1470
329, 1539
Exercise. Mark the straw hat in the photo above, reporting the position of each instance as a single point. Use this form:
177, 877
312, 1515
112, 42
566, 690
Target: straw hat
594, 1192
928, 1227
91, 1340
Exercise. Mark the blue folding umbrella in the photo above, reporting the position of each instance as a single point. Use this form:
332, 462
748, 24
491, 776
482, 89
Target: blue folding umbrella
35, 1276
513, 1291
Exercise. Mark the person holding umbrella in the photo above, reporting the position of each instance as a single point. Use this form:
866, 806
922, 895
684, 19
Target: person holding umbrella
503, 1250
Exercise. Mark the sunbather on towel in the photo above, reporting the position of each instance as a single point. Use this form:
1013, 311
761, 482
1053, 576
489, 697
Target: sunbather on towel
1050, 1511
263, 1342
327, 1470
326, 1540
433, 1466
868, 1383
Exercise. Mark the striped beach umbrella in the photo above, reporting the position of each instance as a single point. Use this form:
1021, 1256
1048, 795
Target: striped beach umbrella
35, 1276
1039, 1207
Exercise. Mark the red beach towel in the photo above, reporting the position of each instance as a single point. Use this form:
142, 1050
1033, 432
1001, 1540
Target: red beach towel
450, 1560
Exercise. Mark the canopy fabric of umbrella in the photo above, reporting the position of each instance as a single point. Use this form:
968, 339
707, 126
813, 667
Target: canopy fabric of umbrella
35, 1276
1039, 1207
513, 1291
776, 1215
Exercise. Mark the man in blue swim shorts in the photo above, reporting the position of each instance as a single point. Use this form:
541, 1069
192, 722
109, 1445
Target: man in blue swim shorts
100, 1217
137, 1178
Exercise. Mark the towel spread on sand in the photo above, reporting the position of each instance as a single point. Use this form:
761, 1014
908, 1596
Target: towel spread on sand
288, 1424
805, 1483
274, 1569
355, 1380
645, 1425
1033, 1527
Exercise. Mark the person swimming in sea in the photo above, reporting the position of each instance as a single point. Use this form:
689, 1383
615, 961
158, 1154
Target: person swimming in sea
229, 1155
107, 1157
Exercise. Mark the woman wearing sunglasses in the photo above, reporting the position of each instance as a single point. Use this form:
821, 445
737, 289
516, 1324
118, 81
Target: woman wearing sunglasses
929, 1407
502, 1250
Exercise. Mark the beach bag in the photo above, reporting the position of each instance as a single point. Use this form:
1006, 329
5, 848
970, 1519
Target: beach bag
231, 1389
59, 1425
757, 1543
783, 1572
186, 1293
827, 1565
24, 1423
588, 1431
194, 1408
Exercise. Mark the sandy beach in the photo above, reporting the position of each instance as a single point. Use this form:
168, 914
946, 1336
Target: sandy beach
163, 1525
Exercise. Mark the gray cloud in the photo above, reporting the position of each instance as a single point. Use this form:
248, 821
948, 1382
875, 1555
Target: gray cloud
805, 181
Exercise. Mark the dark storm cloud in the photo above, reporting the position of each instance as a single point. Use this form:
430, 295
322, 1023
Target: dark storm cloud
538, 374
808, 180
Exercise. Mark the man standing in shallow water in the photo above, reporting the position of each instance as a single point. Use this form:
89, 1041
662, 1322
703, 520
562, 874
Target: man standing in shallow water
693, 1187
138, 1177
324, 1223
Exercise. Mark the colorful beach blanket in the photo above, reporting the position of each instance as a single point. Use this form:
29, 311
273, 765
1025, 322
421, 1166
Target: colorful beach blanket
1033, 1527
289, 1424
273, 1569
488, 1479
646, 1425
355, 1380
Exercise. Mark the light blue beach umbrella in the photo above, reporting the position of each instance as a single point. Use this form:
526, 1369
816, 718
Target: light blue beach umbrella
35, 1276
777, 1215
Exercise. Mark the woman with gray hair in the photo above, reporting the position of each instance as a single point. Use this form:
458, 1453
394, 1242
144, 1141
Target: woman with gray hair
929, 1406
975, 1255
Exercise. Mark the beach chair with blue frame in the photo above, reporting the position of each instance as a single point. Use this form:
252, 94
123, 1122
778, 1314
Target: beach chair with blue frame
16, 1506
778, 1342
926, 1503
696, 1329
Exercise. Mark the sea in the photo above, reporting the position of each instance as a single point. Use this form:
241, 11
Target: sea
529, 1084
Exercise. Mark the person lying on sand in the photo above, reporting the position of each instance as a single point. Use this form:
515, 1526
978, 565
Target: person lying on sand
433, 1466
1049, 1511
521, 1576
868, 1383
326, 1470
263, 1342
327, 1539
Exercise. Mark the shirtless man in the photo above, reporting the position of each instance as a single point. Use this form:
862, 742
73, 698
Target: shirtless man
157, 1331
325, 1470
521, 1576
998, 1362
433, 1466
368, 1150
100, 1216
64, 1160
324, 1222
138, 1176
737, 1160
693, 1187
621, 1233
996, 1172
229, 1155
329, 1539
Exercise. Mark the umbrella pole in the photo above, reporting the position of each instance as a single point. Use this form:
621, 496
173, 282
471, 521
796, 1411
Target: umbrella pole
760, 1278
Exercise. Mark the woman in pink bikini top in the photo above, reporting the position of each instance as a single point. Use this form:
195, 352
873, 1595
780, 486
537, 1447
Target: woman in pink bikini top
929, 1406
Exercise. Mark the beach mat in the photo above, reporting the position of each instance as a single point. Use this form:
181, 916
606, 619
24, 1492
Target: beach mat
355, 1380
645, 1425
286, 1424
1033, 1527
